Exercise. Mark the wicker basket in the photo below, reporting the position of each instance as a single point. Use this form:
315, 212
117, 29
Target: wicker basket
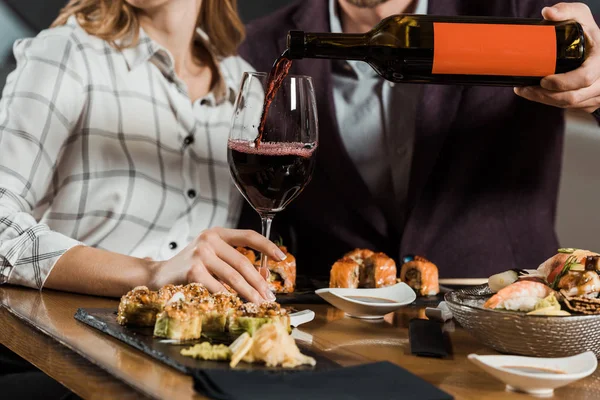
516, 333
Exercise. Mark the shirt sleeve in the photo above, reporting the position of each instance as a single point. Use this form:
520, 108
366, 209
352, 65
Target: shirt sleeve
40, 107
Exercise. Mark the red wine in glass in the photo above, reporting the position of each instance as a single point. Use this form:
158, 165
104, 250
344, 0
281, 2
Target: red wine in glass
272, 175
273, 141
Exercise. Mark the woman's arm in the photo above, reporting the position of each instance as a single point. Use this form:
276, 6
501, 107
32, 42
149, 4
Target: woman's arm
40, 108
207, 260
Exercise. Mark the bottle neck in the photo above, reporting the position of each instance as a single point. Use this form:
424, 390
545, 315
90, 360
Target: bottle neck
328, 45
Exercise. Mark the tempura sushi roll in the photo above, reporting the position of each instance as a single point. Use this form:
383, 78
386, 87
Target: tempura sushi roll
139, 307
282, 274
167, 292
195, 291
421, 275
179, 320
378, 271
249, 317
345, 273
216, 311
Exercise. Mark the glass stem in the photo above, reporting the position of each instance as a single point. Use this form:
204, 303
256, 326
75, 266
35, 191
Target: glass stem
266, 221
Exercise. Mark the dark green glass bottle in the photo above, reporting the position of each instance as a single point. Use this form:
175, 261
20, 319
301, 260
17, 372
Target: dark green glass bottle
454, 50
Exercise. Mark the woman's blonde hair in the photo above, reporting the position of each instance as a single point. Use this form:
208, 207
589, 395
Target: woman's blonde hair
112, 20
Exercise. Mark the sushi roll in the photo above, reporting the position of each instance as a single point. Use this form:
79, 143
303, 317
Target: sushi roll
520, 296
139, 307
249, 317
179, 320
359, 255
167, 292
282, 274
216, 311
421, 275
345, 273
195, 291
378, 271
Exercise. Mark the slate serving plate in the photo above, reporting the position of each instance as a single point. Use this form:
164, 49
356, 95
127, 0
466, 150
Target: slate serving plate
104, 319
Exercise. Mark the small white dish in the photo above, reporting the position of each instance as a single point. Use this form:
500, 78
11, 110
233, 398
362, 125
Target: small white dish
369, 303
301, 317
537, 376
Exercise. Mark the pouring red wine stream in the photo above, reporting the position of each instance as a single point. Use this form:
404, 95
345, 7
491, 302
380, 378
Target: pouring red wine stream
278, 73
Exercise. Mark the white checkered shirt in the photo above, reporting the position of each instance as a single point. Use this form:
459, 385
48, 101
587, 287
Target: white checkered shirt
104, 147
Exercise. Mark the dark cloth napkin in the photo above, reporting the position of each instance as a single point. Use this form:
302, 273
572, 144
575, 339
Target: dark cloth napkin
427, 339
380, 381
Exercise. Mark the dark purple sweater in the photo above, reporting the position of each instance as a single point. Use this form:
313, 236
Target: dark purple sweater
485, 174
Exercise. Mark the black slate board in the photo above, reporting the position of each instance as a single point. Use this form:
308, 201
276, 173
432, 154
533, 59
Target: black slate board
305, 292
105, 320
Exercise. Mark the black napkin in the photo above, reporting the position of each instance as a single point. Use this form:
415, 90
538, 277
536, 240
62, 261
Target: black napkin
427, 339
382, 380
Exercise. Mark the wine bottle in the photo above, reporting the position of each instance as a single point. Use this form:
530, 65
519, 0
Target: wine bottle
454, 50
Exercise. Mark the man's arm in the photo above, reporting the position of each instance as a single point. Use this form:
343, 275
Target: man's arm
579, 89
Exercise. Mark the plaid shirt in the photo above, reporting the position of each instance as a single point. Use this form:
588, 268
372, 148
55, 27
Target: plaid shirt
104, 147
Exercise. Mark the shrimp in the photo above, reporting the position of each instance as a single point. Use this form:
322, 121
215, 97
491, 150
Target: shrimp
520, 296
580, 284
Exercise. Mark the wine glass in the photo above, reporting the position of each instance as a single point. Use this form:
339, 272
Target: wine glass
273, 171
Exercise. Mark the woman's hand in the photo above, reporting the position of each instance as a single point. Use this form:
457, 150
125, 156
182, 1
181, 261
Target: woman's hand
211, 257
578, 89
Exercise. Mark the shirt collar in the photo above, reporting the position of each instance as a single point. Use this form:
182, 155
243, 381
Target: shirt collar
335, 26
147, 50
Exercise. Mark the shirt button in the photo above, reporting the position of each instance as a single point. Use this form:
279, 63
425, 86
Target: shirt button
191, 193
173, 245
188, 140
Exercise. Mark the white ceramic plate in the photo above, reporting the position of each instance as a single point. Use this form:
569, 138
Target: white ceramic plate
369, 303
533, 375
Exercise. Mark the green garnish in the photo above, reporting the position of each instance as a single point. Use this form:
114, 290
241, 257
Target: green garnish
279, 242
207, 351
548, 302
570, 261
567, 250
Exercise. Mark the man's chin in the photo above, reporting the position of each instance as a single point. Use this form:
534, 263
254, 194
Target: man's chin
366, 3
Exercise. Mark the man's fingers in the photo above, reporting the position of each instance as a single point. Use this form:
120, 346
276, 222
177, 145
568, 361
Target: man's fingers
566, 11
242, 265
250, 238
583, 77
568, 99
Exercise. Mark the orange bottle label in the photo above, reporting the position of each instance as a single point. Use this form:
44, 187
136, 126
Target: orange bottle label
486, 49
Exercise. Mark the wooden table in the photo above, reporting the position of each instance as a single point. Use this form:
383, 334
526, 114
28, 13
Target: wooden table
40, 328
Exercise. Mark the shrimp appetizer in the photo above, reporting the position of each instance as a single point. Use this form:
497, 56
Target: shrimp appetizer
571, 277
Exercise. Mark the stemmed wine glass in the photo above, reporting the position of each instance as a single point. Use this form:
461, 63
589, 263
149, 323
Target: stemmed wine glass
272, 171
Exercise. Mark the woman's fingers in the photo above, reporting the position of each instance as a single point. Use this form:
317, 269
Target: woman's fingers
242, 265
250, 238
200, 274
234, 279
